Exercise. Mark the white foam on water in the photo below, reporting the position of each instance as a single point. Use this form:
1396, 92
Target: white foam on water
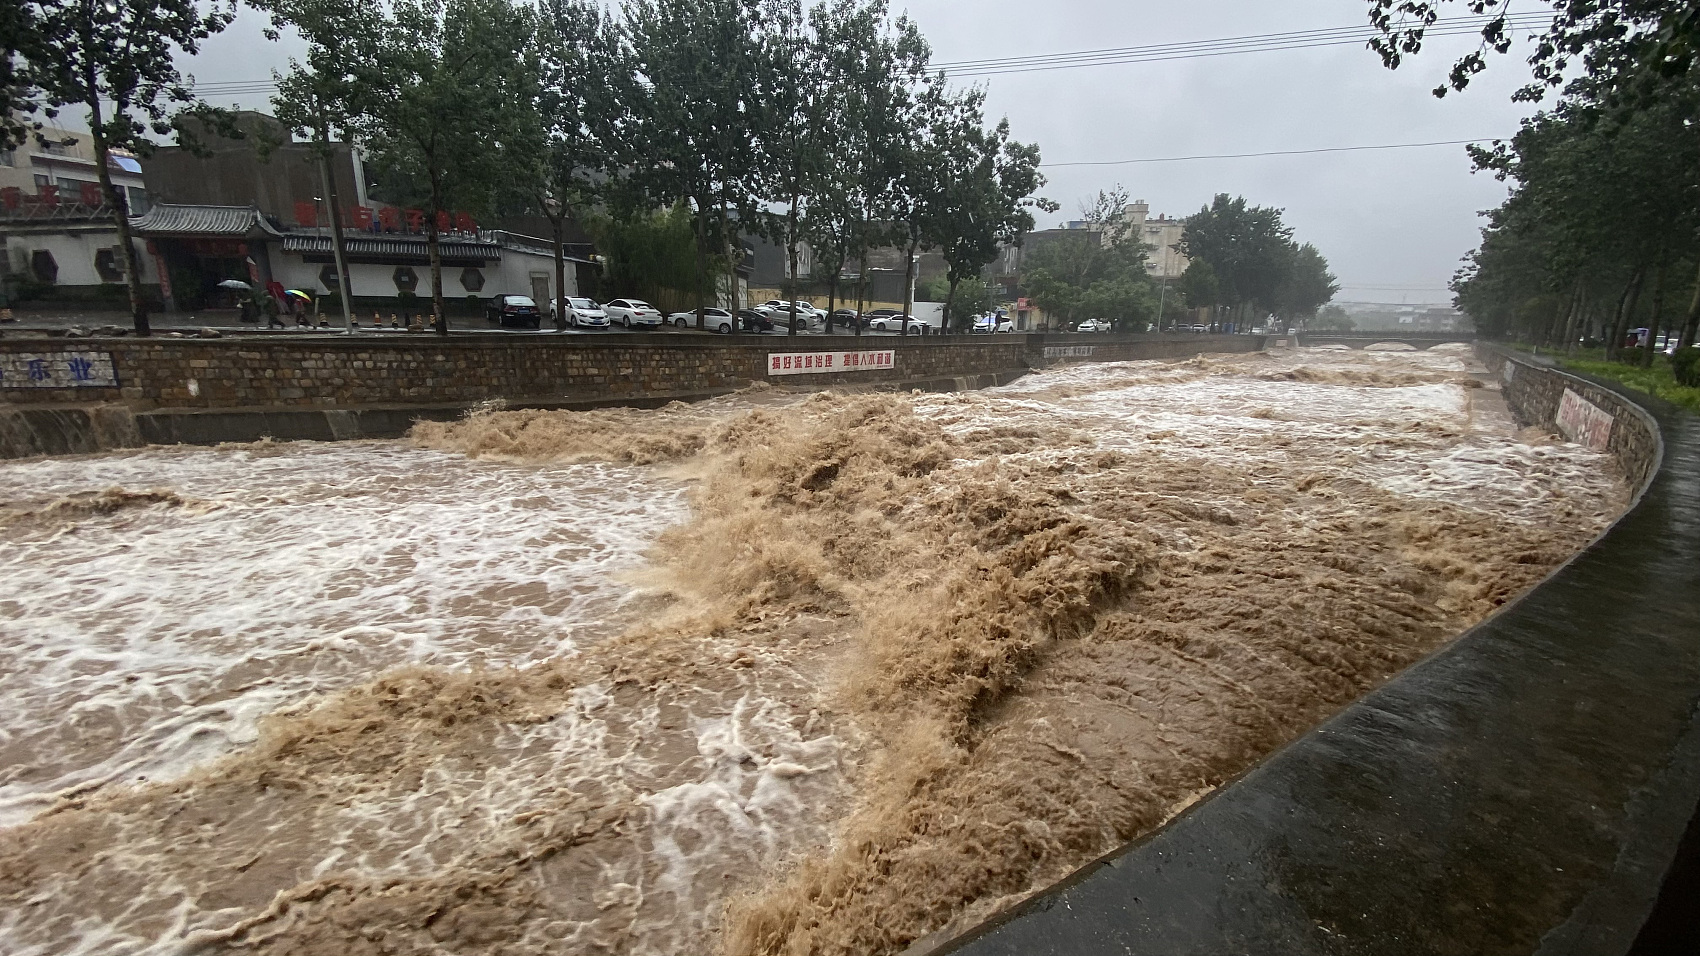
140, 643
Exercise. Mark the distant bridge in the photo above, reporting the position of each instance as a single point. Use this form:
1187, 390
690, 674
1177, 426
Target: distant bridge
1358, 340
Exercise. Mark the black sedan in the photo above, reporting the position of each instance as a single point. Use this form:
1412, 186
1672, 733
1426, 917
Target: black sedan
513, 312
749, 320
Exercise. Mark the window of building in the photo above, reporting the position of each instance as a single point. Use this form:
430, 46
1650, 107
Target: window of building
44, 266
406, 280
137, 200
110, 267
472, 280
42, 180
8, 157
327, 278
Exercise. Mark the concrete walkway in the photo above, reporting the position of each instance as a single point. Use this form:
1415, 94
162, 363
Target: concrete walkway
1524, 790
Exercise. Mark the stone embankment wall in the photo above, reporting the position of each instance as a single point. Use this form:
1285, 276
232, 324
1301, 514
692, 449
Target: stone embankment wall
66, 396
339, 373
1580, 410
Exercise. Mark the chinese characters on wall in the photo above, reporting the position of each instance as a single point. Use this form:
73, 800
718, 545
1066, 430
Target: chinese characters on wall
57, 370
809, 363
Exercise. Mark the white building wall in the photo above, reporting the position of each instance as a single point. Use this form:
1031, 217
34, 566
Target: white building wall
510, 275
74, 253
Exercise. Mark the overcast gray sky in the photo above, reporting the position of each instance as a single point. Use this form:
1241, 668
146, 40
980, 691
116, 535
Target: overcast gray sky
1393, 223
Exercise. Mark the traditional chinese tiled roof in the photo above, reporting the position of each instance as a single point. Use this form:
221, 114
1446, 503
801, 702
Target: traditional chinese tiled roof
393, 247
166, 219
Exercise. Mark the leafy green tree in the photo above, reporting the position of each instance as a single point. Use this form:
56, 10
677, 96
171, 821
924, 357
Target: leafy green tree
578, 115
986, 199
442, 93
1613, 41
1601, 217
313, 98
693, 117
1099, 273
115, 60
1200, 287
1248, 247
1306, 287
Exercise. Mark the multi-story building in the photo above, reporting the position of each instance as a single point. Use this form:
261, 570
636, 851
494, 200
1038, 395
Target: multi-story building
56, 229
1162, 238
59, 164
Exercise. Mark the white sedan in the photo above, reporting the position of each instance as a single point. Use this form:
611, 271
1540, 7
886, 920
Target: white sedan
632, 312
1093, 325
714, 320
992, 323
586, 314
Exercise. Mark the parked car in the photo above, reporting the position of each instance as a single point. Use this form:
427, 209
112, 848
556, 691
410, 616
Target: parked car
780, 314
987, 324
632, 312
586, 314
714, 320
1198, 328
513, 312
816, 315
749, 320
848, 319
892, 322
1093, 325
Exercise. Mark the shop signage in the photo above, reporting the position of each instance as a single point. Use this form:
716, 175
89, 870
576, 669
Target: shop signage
1583, 422
57, 370
808, 363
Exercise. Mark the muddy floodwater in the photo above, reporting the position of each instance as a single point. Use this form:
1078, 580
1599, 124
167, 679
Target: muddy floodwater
773, 674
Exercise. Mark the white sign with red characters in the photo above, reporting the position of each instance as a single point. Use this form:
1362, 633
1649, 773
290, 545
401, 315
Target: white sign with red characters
814, 363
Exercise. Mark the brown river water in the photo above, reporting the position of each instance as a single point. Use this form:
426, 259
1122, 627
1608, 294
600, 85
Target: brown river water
776, 673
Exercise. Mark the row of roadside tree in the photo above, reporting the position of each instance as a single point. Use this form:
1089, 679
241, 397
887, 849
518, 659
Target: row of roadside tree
1600, 235
818, 123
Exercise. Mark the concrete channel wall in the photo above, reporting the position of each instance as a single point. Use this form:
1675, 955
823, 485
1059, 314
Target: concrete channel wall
67, 396
1529, 789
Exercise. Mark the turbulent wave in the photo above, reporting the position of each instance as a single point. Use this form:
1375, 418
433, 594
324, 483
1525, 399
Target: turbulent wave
914, 657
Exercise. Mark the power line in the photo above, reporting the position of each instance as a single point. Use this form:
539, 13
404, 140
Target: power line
1153, 53
1256, 43
1272, 152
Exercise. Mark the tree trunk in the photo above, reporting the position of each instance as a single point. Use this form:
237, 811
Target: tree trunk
1571, 323
831, 298
909, 278
120, 217
949, 304
1625, 308
791, 275
702, 263
861, 288
560, 274
1691, 325
344, 289
439, 315
1658, 316
1561, 320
